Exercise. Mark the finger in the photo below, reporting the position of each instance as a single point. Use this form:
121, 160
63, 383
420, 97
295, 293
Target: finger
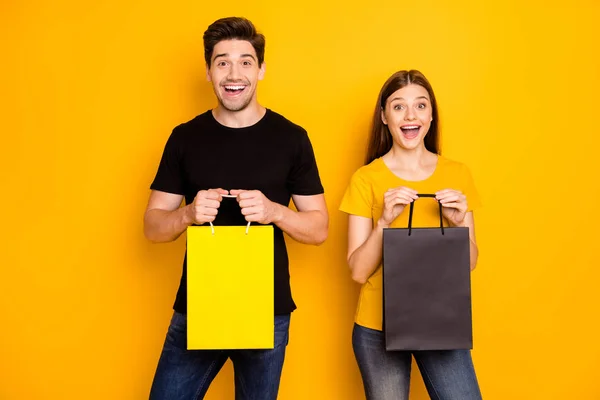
253, 193
219, 190
458, 206
400, 199
247, 194
253, 218
406, 196
392, 201
403, 189
236, 192
208, 211
209, 203
410, 193
444, 192
200, 194
413, 194
447, 193
389, 194
200, 197
409, 190
248, 203
212, 194
251, 210
450, 198
448, 190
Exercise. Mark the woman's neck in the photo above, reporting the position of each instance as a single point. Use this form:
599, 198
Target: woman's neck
412, 165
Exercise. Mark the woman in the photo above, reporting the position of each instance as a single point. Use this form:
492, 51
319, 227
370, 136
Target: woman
403, 160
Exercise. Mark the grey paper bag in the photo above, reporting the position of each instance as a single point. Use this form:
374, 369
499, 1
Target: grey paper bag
427, 287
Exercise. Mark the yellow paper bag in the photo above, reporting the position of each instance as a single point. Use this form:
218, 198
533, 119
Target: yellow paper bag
230, 287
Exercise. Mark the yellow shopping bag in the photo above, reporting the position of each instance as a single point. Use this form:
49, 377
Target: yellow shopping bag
230, 287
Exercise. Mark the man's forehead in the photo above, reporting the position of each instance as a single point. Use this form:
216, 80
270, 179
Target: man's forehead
234, 47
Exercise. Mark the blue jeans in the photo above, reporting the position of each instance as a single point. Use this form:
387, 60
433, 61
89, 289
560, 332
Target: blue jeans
447, 374
184, 374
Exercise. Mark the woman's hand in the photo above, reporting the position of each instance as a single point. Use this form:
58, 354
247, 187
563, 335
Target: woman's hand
454, 206
394, 202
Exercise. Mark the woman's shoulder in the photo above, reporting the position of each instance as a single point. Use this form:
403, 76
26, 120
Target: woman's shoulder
452, 165
369, 171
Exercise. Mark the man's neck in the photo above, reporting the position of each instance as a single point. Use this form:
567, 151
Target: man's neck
239, 119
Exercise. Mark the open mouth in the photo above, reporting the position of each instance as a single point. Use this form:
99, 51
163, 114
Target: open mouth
234, 90
410, 131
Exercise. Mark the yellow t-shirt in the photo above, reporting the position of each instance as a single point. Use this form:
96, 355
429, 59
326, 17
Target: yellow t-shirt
364, 197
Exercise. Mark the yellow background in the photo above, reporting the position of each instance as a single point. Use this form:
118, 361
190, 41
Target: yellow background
91, 91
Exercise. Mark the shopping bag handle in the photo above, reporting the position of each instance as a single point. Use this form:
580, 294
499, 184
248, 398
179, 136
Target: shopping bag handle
410, 214
212, 228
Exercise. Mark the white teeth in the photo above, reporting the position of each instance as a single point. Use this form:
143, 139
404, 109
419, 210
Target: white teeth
234, 87
410, 127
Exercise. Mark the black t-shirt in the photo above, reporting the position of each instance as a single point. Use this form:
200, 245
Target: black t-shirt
274, 156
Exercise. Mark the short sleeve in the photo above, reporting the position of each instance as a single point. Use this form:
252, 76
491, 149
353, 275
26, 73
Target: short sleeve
470, 190
358, 198
169, 176
304, 179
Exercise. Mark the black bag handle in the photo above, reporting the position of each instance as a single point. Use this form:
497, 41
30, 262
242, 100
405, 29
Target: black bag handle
411, 213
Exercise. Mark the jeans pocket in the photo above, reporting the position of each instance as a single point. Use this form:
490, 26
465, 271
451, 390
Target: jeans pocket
367, 337
282, 328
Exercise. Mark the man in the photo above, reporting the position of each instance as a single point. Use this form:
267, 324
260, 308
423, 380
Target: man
243, 149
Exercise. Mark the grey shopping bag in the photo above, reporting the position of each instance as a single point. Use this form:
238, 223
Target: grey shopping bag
427, 287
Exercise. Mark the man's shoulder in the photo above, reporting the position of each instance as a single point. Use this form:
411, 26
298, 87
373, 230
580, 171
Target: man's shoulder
199, 120
186, 130
282, 123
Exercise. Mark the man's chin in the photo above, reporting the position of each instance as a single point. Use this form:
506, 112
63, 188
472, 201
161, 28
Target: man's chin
234, 106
